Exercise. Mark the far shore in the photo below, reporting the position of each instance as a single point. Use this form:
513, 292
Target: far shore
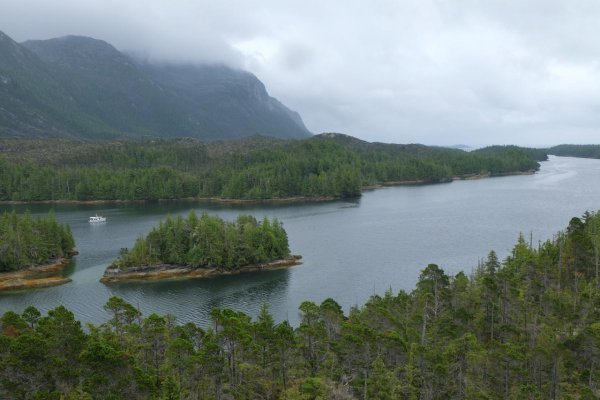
38, 276
275, 200
489, 175
174, 272
454, 178
217, 200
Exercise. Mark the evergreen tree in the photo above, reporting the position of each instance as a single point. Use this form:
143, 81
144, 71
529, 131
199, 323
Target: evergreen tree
208, 241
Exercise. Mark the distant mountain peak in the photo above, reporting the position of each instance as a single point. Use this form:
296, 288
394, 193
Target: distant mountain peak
74, 40
73, 48
7, 40
88, 88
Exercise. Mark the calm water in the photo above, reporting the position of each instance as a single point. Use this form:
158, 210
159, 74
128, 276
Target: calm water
351, 249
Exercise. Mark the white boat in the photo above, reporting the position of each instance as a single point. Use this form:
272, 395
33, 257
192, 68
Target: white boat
97, 219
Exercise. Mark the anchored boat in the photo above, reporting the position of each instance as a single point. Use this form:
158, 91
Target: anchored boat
96, 219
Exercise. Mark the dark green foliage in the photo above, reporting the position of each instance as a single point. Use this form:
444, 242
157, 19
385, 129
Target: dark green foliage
27, 241
524, 328
208, 241
329, 165
576, 150
515, 151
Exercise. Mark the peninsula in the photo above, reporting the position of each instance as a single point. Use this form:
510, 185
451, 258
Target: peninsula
249, 170
33, 251
201, 247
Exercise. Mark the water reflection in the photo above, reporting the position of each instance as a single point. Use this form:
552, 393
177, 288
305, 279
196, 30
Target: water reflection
351, 249
198, 296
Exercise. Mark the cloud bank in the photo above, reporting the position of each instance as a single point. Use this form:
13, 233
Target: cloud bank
428, 71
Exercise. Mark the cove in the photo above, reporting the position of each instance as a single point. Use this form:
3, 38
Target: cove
351, 249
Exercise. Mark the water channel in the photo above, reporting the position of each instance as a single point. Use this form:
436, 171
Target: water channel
352, 249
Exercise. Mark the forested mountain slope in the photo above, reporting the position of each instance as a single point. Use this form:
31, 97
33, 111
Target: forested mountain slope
33, 103
82, 87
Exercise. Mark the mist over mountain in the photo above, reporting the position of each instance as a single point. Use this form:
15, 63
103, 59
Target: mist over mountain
81, 87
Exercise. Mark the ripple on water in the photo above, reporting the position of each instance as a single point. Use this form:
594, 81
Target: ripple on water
351, 249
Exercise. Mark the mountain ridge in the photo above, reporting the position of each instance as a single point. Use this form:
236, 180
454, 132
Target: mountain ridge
81, 87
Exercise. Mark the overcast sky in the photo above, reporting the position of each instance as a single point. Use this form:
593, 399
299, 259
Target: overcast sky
434, 72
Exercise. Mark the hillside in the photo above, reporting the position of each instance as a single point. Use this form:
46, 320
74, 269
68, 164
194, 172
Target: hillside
33, 103
81, 87
322, 167
536, 154
222, 100
576, 150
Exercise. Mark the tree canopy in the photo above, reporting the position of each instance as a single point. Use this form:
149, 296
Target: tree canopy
255, 168
208, 241
576, 150
525, 327
26, 241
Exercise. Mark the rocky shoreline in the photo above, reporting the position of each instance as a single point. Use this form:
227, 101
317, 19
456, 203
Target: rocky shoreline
490, 175
39, 276
168, 271
446, 180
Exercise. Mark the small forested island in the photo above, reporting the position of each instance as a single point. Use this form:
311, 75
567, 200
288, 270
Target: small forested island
33, 251
323, 167
527, 327
205, 246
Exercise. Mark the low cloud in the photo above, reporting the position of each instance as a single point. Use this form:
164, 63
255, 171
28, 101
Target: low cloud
397, 71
